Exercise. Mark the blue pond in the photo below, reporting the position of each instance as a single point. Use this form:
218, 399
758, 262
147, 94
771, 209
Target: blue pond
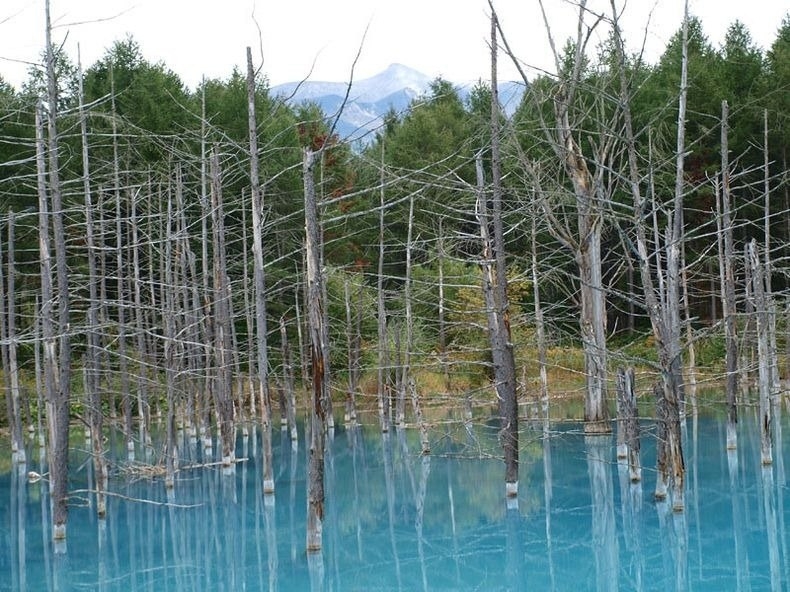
399, 521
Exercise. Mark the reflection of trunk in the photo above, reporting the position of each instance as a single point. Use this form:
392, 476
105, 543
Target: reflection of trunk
604, 537
738, 523
547, 495
769, 509
389, 483
320, 365
425, 471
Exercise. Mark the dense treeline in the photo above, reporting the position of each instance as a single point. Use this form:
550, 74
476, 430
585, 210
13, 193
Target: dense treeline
159, 211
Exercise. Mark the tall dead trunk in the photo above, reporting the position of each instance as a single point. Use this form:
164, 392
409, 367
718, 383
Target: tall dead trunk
223, 345
318, 341
259, 280
383, 371
499, 310
353, 346
10, 364
662, 302
728, 286
762, 307
93, 339
60, 442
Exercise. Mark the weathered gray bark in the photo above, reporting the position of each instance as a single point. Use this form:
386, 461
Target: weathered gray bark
383, 386
223, 345
762, 307
288, 381
93, 339
318, 340
495, 268
10, 364
353, 347
628, 423
168, 303
728, 286
662, 302
59, 444
259, 280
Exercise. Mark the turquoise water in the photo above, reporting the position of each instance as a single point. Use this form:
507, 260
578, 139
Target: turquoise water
398, 521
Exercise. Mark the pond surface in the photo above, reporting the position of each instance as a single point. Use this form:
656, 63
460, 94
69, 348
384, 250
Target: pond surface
398, 521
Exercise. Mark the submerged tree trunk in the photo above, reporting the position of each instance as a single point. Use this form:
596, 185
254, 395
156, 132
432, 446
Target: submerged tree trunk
318, 341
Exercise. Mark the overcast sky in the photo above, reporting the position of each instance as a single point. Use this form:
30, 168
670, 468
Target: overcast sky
437, 37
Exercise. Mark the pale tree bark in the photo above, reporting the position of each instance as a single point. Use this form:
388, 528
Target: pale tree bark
223, 345
383, 372
662, 302
728, 286
60, 421
585, 242
93, 345
762, 306
259, 283
9, 350
318, 341
288, 381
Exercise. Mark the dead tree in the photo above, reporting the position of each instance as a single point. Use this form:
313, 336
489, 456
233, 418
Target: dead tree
318, 341
93, 338
628, 423
61, 393
663, 301
223, 344
762, 306
728, 286
259, 284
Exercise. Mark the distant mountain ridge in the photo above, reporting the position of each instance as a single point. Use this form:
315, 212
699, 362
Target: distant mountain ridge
371, 98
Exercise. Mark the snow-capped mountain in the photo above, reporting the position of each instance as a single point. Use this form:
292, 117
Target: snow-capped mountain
371, 98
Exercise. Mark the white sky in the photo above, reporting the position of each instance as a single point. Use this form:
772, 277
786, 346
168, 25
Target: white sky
437, 37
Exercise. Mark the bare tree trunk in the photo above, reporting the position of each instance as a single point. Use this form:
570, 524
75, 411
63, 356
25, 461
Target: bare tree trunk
318, 342
499, 314
762, 306
169, 321
60, 442
662, 303
93, 345
628, 418
384, 362
288, 379
540, 329
10, 365
223, 389
728, 287
259, 283
353, 344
